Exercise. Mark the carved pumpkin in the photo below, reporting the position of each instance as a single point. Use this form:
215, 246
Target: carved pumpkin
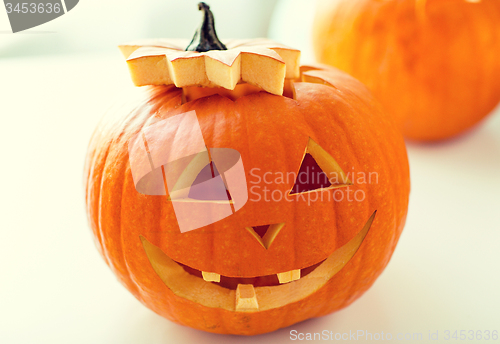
295, 247
433, 64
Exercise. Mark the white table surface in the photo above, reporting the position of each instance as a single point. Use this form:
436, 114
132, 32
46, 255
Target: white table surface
55, 288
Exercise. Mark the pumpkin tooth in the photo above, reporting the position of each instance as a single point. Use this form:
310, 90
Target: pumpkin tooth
289, 276
246, 299
210, 276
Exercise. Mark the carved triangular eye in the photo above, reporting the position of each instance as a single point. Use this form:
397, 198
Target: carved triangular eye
215, 190
318, 170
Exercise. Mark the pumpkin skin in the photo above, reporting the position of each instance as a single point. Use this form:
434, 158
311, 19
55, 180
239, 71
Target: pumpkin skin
271, 133
433, 64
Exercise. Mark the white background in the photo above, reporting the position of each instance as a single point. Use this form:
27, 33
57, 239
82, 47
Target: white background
55, 288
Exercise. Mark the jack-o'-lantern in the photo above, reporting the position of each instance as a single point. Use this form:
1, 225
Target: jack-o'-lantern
308, 195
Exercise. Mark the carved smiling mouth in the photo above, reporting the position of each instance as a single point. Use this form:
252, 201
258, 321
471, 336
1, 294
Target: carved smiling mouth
251, 294
258, 281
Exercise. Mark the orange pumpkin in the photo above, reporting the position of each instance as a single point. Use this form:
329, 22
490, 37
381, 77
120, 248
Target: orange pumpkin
296, 248
433, 64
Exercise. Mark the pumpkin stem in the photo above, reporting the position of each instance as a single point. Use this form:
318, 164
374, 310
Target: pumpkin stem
205, 37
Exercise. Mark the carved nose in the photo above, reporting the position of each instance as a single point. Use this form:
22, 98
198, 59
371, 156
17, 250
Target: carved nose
261, 230
265, 234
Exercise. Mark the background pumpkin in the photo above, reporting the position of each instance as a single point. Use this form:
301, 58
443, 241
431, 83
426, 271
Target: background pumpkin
138, 234
433, 64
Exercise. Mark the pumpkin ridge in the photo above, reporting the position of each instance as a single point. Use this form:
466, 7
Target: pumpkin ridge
89, 184
135, 286
119, 173
99, 206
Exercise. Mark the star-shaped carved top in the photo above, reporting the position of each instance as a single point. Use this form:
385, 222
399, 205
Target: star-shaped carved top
259, 62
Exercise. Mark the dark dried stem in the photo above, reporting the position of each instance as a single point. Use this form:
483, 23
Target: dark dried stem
205, 37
